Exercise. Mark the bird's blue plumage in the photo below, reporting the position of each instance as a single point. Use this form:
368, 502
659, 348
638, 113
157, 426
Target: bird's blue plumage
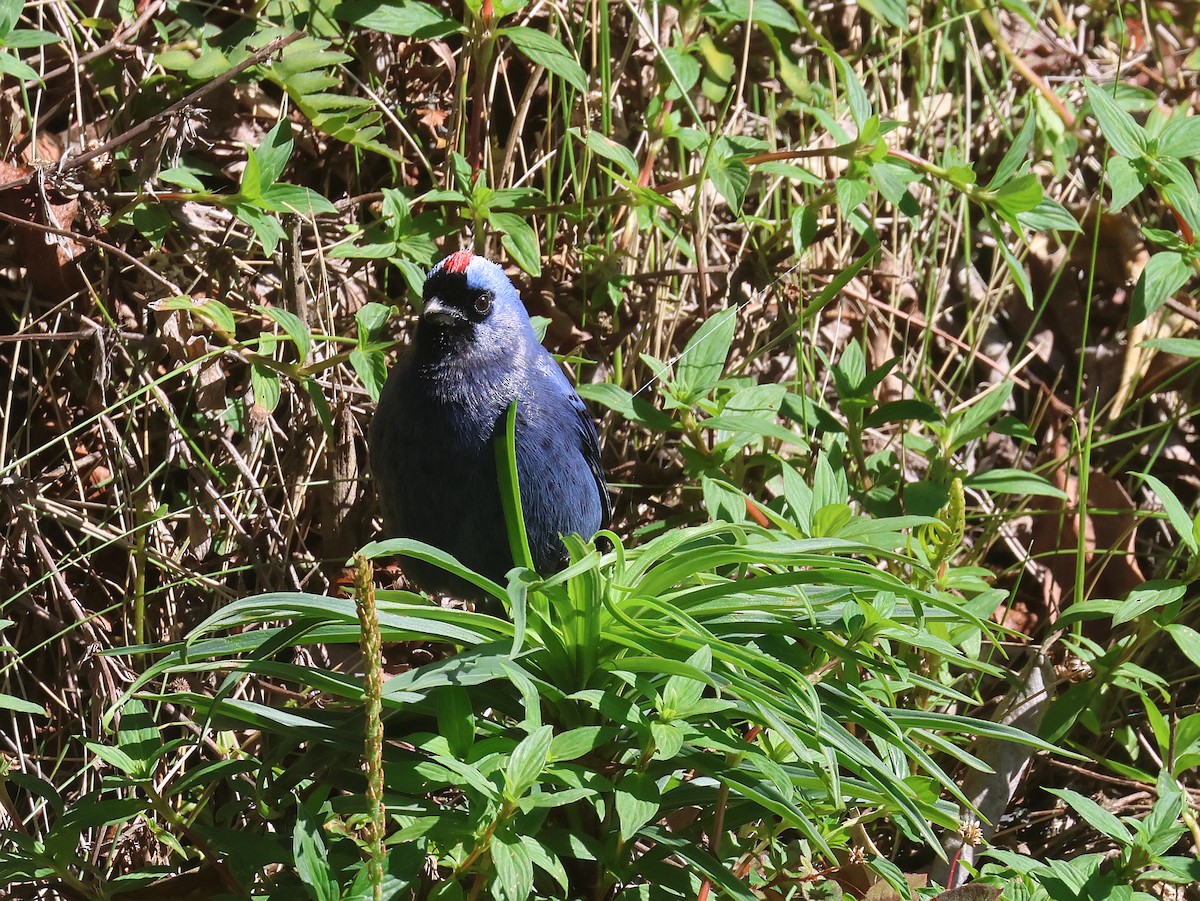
432, 438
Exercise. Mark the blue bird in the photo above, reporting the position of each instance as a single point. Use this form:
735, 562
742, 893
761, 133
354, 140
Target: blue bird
441, 411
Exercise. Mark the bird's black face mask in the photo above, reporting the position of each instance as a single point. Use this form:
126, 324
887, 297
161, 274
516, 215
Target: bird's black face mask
451, 304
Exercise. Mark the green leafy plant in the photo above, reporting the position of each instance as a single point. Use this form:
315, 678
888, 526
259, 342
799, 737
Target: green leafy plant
1152, 156
714, 668
1142, 853
13, 38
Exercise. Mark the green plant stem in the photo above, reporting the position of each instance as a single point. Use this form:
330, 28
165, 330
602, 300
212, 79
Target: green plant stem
168, 813
854, 430
981, 196
370, 642
993, 29
483, 47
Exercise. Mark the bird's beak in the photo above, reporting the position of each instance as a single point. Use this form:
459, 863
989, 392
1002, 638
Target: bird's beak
440, 314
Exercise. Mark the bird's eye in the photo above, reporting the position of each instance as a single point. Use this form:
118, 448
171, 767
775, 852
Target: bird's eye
483, 303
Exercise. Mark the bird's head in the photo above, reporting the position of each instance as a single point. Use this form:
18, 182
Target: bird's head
466, 297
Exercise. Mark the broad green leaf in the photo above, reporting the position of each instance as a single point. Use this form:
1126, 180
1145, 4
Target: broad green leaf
513, 880
975, 420
855, 94
769, 13
456, 719
527, 762
1188, 640
1150, 596
722, 500
851, 192
668, 740
731, 178
20, 705
803, 229
265, 383
406, 18
1049, 215
546, 50
369, 319
637, 802
1124, 181
635, 408
292, 325
829, 520
273, 153
212, 310
312, 861
681, 693
218, 314
1013, 481
574, 743
1119, 128
1177, 515
703, 358
151, 219
1016, 154
280, 198
893, 181
24, 38
606, 147
1097, 817
683, 69
1019, 195
1163, 826
175, 60
185, 178
266, 228
139, 737
902, 410
520, 240
10, 65
1181, 347
720, 66
1180, 137
10, 15
1164, 274
1019, 276
251, 185
890, 12
371, 368
117, 758
88, 814
1181, 193
211, 63
546, 861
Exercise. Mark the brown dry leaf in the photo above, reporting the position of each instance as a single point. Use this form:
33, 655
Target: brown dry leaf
183, 344
446, 55
432, 118
1121, 253
562, 331
48, 259
1108, 541
859, 881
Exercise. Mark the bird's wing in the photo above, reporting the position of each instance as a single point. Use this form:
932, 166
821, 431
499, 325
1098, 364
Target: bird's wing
589, 440
589, 443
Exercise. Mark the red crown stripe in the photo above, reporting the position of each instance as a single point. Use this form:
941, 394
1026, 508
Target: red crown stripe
458, 262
